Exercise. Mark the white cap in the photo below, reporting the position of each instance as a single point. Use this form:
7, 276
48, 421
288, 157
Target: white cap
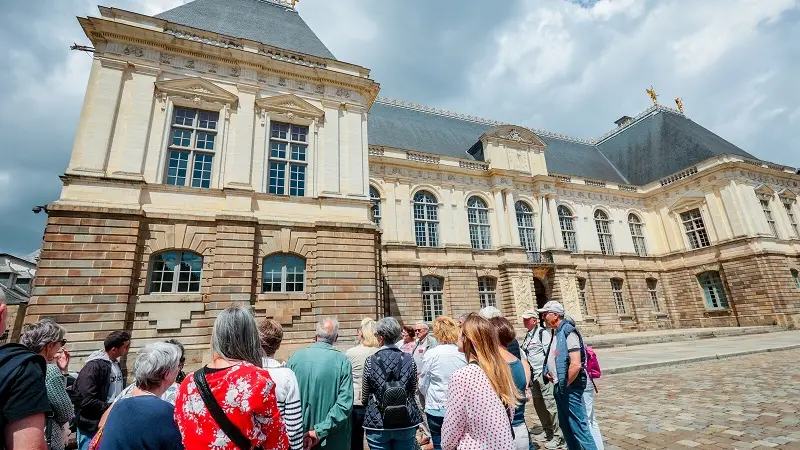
530, 314
552, 306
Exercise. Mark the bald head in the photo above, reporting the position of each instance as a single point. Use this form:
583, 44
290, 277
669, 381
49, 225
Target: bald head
327, 330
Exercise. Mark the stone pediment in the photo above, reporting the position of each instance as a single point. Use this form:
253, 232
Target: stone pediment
515, 135
764, 192
289, 105
197, 89
686, 203
787, 195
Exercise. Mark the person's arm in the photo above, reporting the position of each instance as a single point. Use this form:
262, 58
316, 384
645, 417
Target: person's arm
366, 382
57, 394
455, 417
425, 375
527, 368
89, 389
275, 435
340, 412
293, 413
26, 433
574, 365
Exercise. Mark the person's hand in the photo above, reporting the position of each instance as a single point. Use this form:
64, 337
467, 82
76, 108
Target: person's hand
62, 360
310, 440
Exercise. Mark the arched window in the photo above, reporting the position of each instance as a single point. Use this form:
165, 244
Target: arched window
713, 289
637, 234
487, 290
176, 271
567, 222
375, 198
603, 226
283, 272
478, 219
527, 231
432, 294
426, 219
796, 278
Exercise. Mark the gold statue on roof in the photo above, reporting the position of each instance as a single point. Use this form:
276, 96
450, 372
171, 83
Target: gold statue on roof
652, 94
679, 102
294, 2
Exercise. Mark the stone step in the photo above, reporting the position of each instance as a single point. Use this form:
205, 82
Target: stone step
675, 335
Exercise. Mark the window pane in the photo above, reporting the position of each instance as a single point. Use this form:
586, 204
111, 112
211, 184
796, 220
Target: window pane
178, 164
297, 180
277, 177
184, 116
201, 173
278, 150
299, 133
205, 141
208, 120
280, 130
181, 138
298, 152
273, 267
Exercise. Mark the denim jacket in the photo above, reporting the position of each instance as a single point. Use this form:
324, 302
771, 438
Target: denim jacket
562, 357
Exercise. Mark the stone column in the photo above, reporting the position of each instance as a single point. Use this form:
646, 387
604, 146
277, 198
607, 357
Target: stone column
96, 123
239, 151
511, 214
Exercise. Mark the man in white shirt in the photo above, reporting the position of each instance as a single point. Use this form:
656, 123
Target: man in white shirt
536, 344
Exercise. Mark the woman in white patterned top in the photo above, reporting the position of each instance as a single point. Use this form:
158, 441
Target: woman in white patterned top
287, 391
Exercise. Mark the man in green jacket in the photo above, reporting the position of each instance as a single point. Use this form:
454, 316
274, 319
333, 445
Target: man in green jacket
325, 378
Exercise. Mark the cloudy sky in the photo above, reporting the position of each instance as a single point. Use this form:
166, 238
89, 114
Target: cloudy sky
565, 66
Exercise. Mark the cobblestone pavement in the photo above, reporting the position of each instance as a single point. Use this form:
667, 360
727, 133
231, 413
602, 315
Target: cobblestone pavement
743, 402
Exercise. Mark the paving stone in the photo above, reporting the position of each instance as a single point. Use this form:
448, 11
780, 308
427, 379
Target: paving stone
679, 407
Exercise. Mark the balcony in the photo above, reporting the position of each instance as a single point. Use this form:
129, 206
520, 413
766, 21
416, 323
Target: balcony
540, 257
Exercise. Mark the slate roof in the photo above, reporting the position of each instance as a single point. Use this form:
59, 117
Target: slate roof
661, 144
256, 20
14, 296
652, 147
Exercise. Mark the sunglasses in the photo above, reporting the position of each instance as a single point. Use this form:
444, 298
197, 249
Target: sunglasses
63, 342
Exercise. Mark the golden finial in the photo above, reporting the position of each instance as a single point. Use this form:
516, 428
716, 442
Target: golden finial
679, 102
652, 94
294, 2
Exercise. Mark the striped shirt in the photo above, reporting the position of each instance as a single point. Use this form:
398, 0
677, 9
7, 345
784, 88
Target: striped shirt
288, 395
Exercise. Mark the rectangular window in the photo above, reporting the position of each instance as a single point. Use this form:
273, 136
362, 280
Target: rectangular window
487, 288
652, 291
768, 215
582, 296
714, 290
616, 292
792, 219
432, 294
193, 138
695, 229
288, 151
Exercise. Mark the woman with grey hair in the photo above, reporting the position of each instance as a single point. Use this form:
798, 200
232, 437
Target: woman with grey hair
47, 339
144, 420
388, 389
232, 390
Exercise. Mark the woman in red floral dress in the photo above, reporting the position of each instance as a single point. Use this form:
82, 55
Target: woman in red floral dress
244, 390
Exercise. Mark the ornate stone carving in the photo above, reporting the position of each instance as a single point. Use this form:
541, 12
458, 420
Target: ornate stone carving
235, 71
342, 93
519, 160
197, 90
320, 89
190, 63
133, 50
281, 81
290, 105
166, 59
523, 299
569, 294
212, 68
204, 40
301, 86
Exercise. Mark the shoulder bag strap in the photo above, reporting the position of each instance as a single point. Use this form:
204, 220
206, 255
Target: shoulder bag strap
233, 432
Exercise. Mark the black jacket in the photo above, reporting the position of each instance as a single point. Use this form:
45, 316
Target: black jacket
92, 388
377, 371
14, 359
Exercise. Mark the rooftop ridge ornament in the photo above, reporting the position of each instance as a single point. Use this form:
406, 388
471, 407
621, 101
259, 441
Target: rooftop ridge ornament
653, 95
285, 3
437, 111
679, 102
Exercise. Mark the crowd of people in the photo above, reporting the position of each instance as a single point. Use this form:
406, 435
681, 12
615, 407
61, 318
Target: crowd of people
453, 384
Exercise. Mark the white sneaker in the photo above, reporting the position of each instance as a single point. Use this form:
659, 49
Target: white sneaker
555, 443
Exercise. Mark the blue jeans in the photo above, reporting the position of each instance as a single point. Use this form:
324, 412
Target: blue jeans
392, 439
435, 425
572, 415
84, 438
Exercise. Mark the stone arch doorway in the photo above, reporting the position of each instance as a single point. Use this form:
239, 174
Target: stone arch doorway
540, 292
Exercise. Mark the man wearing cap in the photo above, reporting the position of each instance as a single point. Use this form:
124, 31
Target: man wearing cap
536, 344
564, 369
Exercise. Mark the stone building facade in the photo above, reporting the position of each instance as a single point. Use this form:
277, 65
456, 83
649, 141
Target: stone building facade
223, 162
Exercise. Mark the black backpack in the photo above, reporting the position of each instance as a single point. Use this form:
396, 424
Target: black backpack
392, 398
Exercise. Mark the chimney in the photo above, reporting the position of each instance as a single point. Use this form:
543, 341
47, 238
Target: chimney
623, 120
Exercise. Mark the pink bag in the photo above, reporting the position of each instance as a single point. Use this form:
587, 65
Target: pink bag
592, 364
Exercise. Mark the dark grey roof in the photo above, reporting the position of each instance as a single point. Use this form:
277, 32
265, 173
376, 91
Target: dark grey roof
420, 131
568, 157
256, 20
14, 296
661, 144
